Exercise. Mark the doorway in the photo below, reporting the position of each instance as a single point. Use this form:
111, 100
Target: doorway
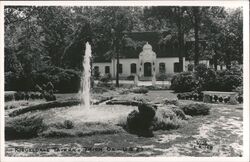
147, 69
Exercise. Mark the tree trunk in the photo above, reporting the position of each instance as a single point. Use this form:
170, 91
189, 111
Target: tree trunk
196, 35
215, 60
180, 39
181, 49
117, 69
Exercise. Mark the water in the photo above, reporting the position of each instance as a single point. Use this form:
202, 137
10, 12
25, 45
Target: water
85, 80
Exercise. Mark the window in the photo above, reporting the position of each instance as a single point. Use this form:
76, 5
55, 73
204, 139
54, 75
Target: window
107, 70
120, 68
162, 68
133, 68
176, 67
96, 71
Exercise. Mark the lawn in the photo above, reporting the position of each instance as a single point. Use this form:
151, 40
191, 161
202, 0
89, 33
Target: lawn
217, 134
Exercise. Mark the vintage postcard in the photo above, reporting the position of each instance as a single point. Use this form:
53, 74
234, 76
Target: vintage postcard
124, 80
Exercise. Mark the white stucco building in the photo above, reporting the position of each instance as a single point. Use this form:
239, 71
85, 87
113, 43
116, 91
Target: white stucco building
146, 66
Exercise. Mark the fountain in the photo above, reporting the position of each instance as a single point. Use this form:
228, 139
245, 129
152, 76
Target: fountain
85, 81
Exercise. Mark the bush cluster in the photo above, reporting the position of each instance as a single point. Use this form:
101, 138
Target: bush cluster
190, 96
164, 77
23, 96
106, 78
131, 77
213, 98
29, 95
184, 82
64, 80
195, 109
24, 127
204, 78
167, 119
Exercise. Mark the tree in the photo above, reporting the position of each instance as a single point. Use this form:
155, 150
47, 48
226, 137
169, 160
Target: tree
177, 17
224, 35
115, 21
195, 14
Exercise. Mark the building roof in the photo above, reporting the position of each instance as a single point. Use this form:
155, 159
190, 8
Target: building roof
164, 44
169, 48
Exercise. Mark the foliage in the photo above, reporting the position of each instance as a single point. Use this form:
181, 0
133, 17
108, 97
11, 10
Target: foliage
24, 127
64, 80
171, 102
195, 109
106, 78
184, 82
207, 79
166, 119
162, 77
190, 95
47, 37
131, 77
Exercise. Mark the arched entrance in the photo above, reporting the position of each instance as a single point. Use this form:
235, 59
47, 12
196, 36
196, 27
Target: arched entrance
147, 69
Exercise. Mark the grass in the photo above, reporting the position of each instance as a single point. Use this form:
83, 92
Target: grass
80, 130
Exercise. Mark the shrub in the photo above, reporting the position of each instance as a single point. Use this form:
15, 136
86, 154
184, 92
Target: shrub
190, 67
239, 90
171, 102
166, 119
55, 132
184, 82
196, 109
131, 77
233, 100
179, 113
106, 78
64, 80
68, 124
9, 96
220, 99
240, 99
24, 127
228, 81
140, 90
162, 77
200, 70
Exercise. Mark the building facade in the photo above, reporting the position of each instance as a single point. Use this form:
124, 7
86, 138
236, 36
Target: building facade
146, 66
